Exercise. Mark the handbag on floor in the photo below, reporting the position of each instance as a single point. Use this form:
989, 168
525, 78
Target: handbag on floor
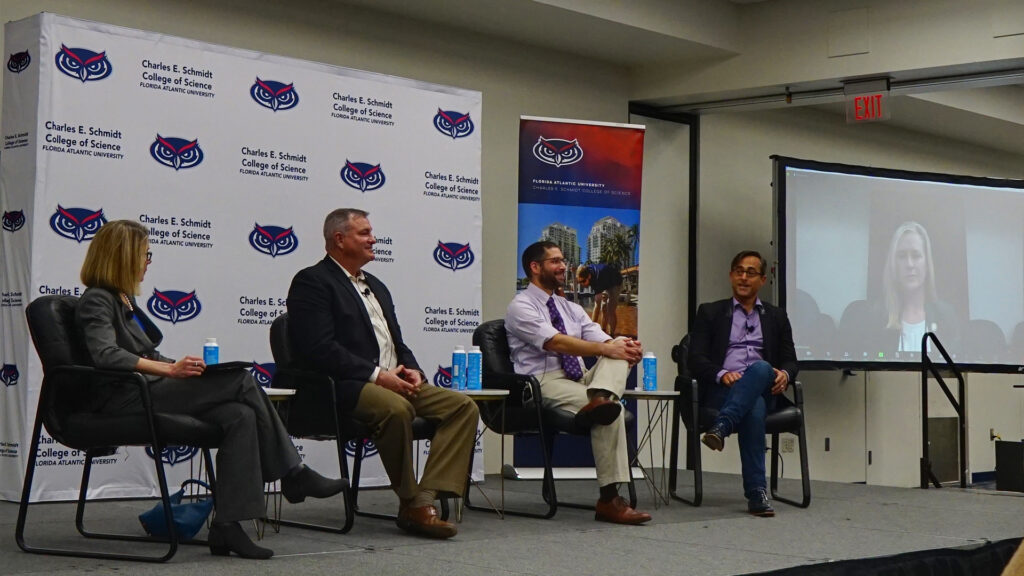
188, 518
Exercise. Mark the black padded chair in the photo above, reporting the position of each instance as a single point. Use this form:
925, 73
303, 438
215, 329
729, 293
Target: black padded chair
312, 414
67, 372
788, 416
525, 413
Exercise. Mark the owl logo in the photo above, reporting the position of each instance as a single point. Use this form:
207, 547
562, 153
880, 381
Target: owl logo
177, 153
9, 375
274, 95
263, 373
369, 448
14, 220
452, 123
443, 377
18, 62
174, 306
83, 64
273, 240
172, 455
453, 255
78, 224
557, 152
362, 176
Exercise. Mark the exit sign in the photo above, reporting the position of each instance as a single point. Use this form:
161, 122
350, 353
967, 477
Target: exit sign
867, 108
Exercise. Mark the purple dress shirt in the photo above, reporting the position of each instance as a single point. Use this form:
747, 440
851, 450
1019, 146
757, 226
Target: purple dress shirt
746, 341
528, 323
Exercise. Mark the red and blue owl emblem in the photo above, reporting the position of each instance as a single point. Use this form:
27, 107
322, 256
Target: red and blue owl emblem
19, 62
369, 448
557, 152
443, 377
14, 220
83, 64
177, 153
9, 374
172, 455
452, 123
362, 176
453, 255
78, 224
273, 241
174, 306
263, 374
276, 96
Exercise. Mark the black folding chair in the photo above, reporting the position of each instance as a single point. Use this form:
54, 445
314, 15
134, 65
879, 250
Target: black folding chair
312, 413
788, 416
66, 376
525, 413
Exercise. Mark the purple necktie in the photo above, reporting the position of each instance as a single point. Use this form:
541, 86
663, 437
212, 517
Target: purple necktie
570, 364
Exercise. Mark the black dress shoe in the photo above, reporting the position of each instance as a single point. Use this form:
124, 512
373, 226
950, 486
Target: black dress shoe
601, 411
714, 438
307, 482
760, 505
229, 537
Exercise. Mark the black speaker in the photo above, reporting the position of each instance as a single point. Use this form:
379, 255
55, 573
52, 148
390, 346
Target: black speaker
1010, 466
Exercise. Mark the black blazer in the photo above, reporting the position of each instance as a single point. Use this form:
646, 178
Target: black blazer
115, 341
329, 329
709, 341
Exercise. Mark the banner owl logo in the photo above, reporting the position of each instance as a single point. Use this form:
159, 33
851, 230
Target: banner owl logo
174, 306
273, 240
18, 62
174, 454
14, 220
453, 255
274, 95
362, 176
78, 224
557, 152
177, 153
9, 375
443, 377
83, 64
452, 123
263, 373
369, 448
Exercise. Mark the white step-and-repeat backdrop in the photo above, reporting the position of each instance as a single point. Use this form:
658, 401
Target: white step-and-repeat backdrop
231, 158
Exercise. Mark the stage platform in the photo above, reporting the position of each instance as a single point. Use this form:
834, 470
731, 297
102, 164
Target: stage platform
844, 521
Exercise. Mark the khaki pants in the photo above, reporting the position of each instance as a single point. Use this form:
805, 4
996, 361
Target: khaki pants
608, 442
390, 417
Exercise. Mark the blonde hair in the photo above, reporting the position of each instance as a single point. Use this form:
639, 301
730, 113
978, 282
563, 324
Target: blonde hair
116, 257
890, 277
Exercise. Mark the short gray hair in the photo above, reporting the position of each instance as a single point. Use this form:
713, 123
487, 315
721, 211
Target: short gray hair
338, 221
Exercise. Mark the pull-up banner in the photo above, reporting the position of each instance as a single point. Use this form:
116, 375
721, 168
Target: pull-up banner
579, 187
231, 158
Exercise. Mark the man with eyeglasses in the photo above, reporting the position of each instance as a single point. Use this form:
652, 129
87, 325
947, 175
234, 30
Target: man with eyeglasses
547, 334
742, 354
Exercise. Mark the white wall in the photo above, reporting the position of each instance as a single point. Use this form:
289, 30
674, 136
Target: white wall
735, 214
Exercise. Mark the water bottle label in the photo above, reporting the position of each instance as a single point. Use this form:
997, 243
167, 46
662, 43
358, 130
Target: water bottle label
211, 354
650, 373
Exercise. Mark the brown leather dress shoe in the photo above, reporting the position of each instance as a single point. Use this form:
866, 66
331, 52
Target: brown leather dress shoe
617, 510
425, 521
601, 411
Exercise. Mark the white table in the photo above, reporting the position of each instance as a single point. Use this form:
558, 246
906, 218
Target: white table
478, 396
659, 418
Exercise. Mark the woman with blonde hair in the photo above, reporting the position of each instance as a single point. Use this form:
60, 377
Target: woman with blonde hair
255, 447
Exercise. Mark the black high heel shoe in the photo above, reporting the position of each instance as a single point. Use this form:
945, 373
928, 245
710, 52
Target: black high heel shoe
229, 537
305, 481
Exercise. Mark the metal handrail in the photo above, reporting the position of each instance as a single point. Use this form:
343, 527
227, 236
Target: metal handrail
961, 413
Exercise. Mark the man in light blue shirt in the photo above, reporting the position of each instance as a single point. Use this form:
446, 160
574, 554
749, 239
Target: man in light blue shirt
547, 334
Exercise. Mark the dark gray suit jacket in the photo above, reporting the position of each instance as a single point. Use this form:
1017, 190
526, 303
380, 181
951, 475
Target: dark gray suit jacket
115, 341
330, 331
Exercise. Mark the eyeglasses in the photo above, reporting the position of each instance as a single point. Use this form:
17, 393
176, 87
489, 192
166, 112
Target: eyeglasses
748, 272
556, 260
149, 257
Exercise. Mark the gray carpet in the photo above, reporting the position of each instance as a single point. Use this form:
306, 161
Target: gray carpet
844, 521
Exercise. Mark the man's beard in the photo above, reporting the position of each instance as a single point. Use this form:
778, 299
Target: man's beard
550, 281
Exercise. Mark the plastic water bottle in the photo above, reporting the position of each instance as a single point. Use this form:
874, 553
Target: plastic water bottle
474, 363
459, 368
650, 371
211, 351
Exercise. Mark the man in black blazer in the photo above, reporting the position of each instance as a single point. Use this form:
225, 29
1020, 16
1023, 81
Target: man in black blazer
342, 322
742, 354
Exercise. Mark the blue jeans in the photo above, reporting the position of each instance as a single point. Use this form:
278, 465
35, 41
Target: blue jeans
743, 407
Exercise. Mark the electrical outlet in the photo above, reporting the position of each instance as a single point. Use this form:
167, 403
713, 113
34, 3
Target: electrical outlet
788, 445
